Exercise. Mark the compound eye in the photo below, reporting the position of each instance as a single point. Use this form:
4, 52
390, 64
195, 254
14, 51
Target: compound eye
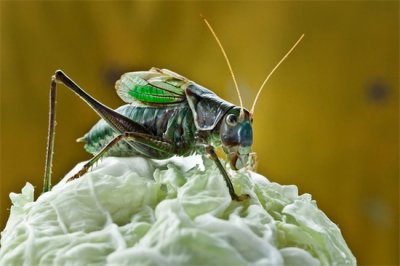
231, 120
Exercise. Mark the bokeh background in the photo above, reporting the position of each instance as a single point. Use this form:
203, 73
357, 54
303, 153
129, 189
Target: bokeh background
327, 120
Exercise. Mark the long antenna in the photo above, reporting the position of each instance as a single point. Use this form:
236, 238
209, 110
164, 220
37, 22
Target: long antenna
227, 61
273, 70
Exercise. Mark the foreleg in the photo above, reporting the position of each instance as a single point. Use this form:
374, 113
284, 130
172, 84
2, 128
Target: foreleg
211, 151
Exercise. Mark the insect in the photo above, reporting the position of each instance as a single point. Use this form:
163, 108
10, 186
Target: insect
166, 114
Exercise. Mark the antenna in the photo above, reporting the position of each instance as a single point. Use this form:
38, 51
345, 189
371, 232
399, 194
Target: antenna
227, 61
273, 70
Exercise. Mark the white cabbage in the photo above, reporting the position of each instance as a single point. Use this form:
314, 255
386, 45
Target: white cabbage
135, 211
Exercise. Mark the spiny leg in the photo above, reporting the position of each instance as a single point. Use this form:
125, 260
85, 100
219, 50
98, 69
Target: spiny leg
50, 136
210, 150
151, 141
117, 121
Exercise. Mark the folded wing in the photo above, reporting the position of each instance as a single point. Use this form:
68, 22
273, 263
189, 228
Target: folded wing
156, 86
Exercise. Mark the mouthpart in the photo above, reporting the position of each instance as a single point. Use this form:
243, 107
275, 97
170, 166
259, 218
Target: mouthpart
238, 156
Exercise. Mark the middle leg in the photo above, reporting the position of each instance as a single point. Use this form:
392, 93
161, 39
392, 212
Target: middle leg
151, 141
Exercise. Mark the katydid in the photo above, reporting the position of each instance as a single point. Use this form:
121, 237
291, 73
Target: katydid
166, 114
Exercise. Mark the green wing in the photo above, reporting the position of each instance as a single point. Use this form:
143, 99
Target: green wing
156, 86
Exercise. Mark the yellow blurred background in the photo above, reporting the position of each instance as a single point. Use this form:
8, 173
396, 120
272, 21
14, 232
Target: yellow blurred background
327, 120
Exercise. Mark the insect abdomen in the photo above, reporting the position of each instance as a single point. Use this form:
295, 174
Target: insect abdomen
173, 123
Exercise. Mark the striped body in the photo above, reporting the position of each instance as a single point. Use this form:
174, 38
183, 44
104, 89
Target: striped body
173, 123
